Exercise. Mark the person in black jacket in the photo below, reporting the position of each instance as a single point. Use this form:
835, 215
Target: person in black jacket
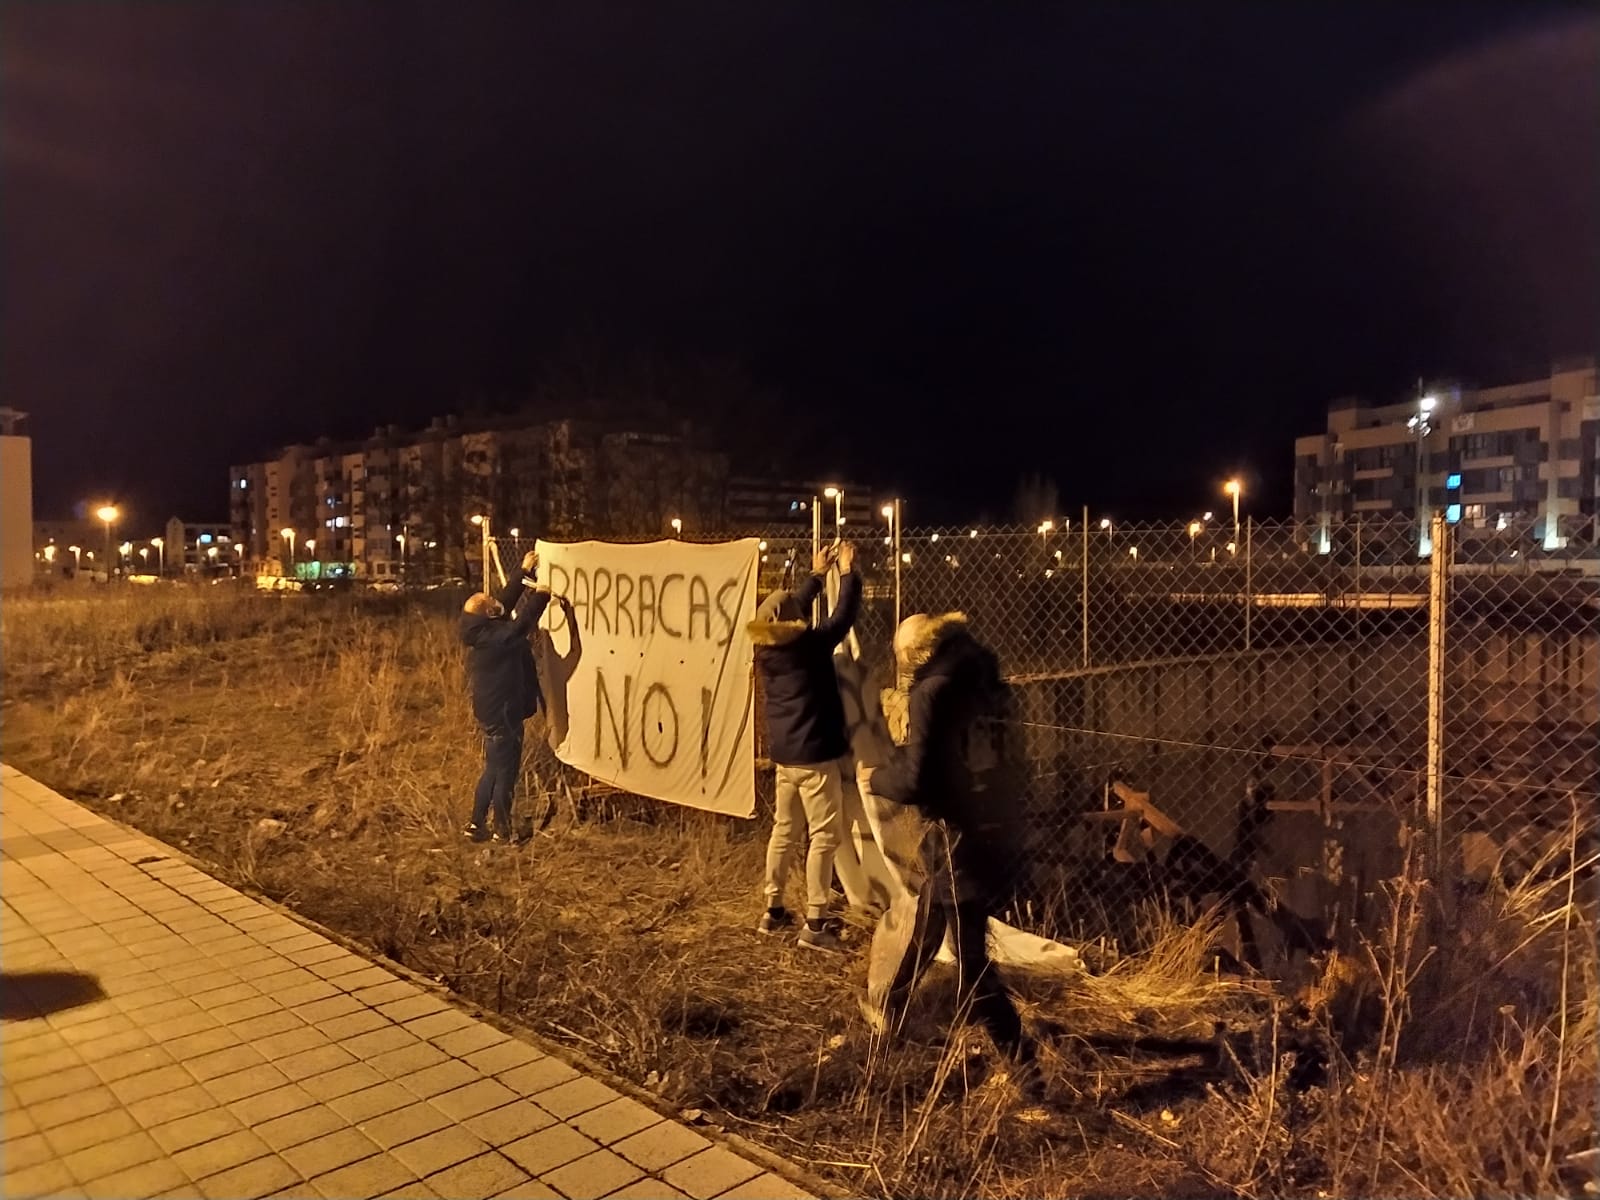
806, 738
505, 690
962, 764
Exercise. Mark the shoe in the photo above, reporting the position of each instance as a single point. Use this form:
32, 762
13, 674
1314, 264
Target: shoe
774, 920
823, 939
510, 839
474, 834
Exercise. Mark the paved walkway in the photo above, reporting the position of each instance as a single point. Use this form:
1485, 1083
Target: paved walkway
165, 1035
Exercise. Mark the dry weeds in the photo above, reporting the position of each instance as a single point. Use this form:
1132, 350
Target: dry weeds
1440, 1061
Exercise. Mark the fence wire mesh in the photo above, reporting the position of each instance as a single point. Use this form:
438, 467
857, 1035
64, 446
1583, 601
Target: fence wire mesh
1243, 713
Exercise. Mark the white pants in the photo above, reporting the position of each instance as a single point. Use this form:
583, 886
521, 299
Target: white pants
808, 797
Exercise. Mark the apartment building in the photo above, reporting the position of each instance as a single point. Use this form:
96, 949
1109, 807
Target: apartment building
758, 503
400, 503
1518, 460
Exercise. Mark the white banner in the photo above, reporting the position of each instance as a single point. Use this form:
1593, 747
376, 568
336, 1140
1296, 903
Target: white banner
649, 685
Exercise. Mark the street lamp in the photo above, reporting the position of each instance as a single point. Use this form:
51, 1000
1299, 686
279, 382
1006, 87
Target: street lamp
108, 513
677, 526
77, 556
481, 520
1421, 423
401, 538
161, 554
1194, 532
891, 513
1133, 551
144, 553
836, 494
311, 548
1234, 488
288, 536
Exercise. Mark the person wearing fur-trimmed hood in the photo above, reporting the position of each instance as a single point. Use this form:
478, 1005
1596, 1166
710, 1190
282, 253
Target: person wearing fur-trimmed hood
806, 738
961, 763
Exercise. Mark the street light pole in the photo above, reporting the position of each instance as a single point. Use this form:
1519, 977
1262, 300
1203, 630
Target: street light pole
161, 555
108, 514
481, 520
1234, 488
892, 512
836, 494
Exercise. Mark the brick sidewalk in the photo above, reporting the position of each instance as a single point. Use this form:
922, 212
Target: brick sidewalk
166, 1035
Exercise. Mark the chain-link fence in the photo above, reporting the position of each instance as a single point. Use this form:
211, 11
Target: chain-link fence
1266, 713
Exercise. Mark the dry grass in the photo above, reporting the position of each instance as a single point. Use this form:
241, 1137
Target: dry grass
1435, 1063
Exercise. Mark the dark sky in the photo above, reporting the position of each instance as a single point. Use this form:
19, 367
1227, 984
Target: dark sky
1134, 247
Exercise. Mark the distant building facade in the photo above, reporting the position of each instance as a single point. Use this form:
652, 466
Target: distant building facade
16, 500
1522, 456
401, 503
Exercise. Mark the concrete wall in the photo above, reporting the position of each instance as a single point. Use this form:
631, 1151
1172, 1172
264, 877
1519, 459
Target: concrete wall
16, 511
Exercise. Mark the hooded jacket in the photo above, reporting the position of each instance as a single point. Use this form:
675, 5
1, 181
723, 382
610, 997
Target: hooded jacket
794, 662
962, 762
500, 670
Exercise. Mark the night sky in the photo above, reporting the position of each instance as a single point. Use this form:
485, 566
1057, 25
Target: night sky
1135, 248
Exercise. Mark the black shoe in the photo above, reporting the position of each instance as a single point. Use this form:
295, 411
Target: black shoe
774, 920
511, 839
474, 834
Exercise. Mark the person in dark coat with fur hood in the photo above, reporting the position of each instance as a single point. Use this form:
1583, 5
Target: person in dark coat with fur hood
806, 738
505, 690
962, 764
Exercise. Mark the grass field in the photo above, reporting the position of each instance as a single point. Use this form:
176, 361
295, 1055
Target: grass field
1430, 1064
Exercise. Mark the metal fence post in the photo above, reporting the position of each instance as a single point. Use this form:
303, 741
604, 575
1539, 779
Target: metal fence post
1083, 608
1438, 601
1249, 580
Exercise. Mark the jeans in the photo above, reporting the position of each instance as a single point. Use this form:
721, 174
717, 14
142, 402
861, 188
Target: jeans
979, 984
502, 765
808, 796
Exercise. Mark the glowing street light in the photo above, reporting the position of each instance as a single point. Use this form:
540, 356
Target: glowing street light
1194, 532
836, 494
311, 548
77, 556
144, 553
1234, 488
892, 513
161, 554
288, 536
1133, 551
677, 526
50, 553
109, 514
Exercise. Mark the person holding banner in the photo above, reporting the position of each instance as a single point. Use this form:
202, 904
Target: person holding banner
961, 762
806, 738
505, 690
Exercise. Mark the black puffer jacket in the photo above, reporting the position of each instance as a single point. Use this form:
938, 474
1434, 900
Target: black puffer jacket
963, 761
500, 670
794, 662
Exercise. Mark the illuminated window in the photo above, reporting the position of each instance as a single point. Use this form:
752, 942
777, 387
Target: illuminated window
1452, 481
1452, 514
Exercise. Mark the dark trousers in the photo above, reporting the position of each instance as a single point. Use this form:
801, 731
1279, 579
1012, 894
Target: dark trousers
979, 984
502, 765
